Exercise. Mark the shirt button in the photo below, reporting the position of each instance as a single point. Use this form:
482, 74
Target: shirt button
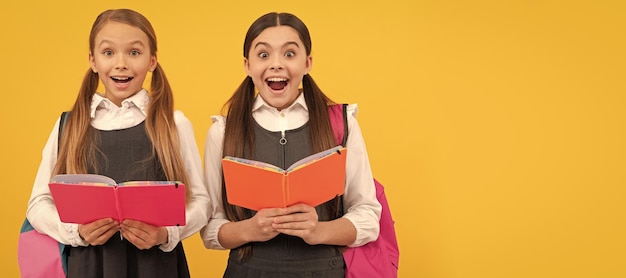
333, 263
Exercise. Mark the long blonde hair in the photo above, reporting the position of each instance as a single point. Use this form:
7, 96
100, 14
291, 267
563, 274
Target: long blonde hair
77, 149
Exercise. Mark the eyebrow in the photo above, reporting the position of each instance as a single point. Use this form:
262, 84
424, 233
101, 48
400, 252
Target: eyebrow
268, 45
131, 43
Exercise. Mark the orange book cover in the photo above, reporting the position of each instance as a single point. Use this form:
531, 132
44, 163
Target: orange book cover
83, 198
312, 180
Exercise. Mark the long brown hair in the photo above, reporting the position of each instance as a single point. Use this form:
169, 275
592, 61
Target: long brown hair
239, 131
77, 150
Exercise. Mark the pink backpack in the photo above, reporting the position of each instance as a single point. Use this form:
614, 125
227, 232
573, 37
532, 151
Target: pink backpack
378, 258
40, 255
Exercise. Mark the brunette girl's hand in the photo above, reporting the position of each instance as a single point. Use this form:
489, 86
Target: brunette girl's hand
298, 220
99, 231
143, 235
260, 227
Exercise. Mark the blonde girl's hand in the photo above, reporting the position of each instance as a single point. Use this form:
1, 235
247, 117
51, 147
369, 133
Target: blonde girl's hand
298, 220
99, 231
142, 235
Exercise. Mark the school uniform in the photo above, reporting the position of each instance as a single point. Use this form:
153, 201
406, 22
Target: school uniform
289, 256
125, 149
284, 255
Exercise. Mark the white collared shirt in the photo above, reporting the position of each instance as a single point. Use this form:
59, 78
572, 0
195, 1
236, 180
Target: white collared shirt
105, 115
360, 203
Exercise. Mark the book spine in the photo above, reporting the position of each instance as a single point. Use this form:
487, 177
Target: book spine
285, 189
118, 205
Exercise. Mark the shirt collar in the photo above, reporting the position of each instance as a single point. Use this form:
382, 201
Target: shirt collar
259, 104
140, 100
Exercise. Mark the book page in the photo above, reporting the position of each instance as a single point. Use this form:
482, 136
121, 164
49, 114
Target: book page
311, 158
83, 179
255, 163
153, 183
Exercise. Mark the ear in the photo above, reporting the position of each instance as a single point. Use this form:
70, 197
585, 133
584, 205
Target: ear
246, 66
153, 63
92, 63
309, 64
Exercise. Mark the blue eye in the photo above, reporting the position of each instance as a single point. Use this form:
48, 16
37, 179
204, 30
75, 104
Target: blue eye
134, 52
107, 52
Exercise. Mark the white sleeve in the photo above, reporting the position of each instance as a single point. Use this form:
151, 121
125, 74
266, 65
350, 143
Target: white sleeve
198, 207
213, 177
42, 213
360, 203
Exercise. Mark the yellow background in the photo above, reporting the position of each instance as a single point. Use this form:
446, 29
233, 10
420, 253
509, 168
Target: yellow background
496, 126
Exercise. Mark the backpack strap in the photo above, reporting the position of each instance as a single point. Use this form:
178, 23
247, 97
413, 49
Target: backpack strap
338, 116
62, 121
384, 251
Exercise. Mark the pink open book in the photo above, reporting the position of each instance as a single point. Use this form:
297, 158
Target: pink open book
84, 198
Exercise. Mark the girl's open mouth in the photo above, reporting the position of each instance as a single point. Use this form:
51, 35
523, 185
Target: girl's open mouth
276, 83
121, 79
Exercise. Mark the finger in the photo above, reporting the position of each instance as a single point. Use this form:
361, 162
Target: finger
134, 239
102, 222
294, 232
303, 225
135, 224
137, 232
109, 233
100, 236
140, 238
271, 212
296, 217
298, 208
102, 230
143, 231
90, 227
95, 229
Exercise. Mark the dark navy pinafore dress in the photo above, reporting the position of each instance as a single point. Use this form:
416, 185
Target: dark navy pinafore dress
125, 156
284, 255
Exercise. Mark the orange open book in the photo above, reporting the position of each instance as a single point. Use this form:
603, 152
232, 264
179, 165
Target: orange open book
83, 198
313, 180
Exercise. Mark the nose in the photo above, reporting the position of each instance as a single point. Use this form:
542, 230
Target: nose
276, 63
120, 62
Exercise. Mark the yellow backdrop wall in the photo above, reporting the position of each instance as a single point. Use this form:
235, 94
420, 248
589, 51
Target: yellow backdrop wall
496, 126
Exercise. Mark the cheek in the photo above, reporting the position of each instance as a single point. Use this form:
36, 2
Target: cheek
256, 74
256, 69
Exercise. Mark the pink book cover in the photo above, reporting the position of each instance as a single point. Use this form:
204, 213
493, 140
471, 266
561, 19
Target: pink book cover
84, 198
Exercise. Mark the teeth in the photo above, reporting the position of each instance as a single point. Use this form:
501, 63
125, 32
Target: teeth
276, 79
120, 78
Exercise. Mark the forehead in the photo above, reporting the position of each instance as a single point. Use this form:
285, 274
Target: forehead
120, 33
278, 36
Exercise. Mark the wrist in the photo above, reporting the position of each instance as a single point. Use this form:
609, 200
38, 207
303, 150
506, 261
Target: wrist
163, 236
79, 234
